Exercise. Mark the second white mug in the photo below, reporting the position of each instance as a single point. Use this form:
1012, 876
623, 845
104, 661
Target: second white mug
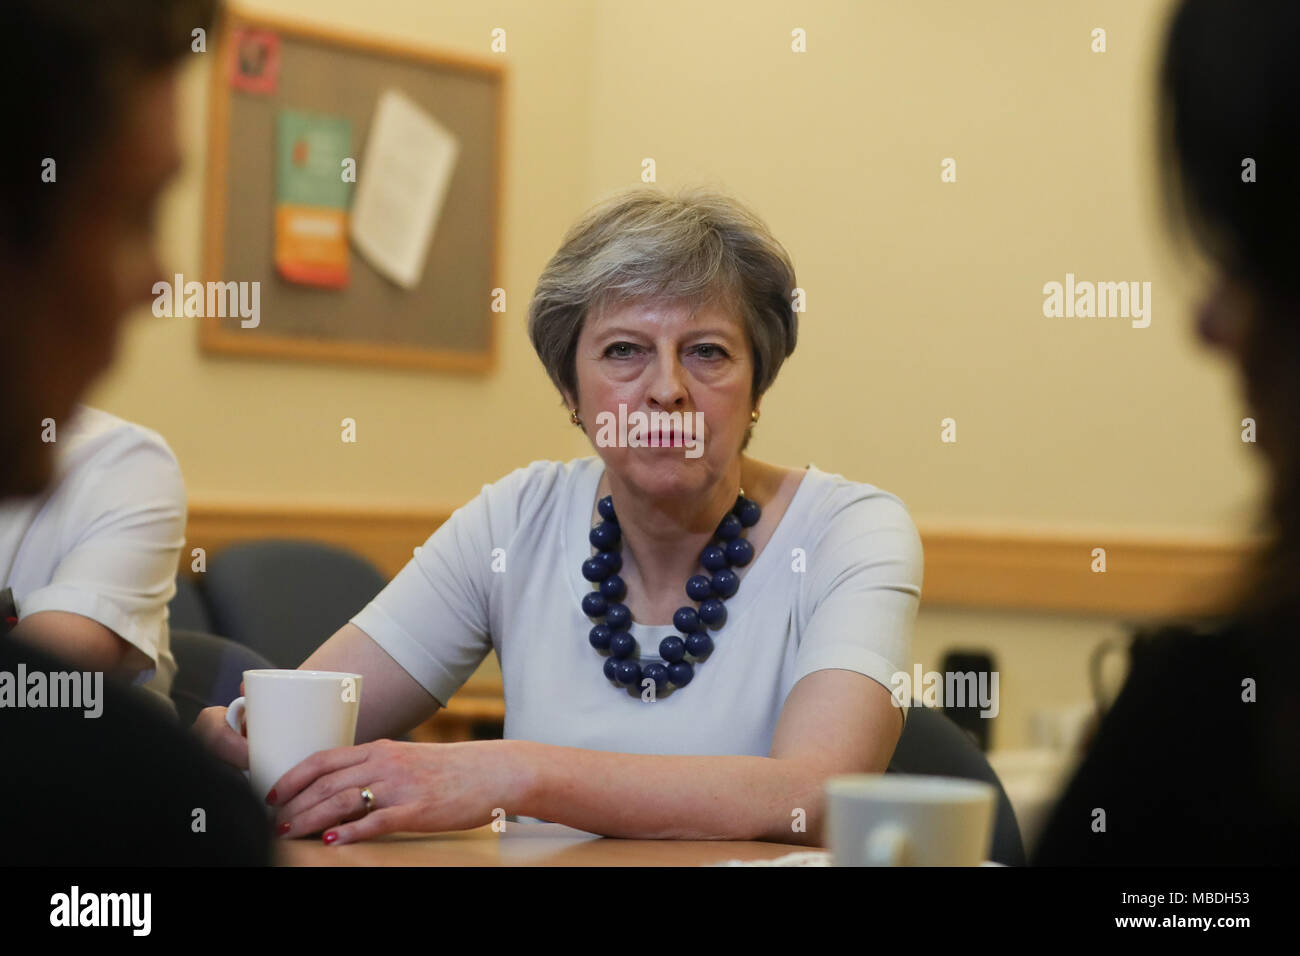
908, 820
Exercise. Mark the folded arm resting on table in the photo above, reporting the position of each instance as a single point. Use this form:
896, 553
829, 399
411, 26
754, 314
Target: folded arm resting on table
833, 721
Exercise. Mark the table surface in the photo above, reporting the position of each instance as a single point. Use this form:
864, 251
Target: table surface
523, 844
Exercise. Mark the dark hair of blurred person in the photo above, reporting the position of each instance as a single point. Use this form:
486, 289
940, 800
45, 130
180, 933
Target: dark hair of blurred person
96, 98
1187, 768
95, 93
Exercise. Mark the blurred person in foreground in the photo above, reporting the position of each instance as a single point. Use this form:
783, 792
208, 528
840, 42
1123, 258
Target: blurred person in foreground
1195, 763
113, 781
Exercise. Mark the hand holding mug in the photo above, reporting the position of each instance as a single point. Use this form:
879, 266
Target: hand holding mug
216, 734
288, 715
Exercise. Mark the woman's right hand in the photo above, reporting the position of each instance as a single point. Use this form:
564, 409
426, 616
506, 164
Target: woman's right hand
212, 729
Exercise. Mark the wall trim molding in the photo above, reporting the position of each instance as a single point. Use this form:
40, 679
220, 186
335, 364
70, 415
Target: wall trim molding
1146, 575
1041, 570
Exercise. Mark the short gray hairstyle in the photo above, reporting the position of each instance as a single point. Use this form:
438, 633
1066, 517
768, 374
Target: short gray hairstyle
697, 248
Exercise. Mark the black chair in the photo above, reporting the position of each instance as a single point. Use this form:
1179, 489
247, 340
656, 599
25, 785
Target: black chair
933, 745
208, 671
187, 610
284, 598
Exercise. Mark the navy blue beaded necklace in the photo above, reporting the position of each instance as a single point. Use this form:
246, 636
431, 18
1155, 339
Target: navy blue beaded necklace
726, 550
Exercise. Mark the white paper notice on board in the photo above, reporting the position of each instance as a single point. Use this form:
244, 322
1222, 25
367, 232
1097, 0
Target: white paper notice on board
401, 186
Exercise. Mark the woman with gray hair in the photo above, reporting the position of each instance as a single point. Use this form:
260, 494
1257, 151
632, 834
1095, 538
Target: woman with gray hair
691, 640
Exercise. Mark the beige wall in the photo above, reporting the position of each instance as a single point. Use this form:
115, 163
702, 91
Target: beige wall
924, 298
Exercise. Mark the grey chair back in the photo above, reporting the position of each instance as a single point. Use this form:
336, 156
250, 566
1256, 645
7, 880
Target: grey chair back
208, 671
187, 610
933, 745
284, 598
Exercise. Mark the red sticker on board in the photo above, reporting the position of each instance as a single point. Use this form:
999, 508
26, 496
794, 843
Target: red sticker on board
254, 60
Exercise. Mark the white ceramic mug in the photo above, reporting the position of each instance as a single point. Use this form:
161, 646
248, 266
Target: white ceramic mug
908, 820
291, 715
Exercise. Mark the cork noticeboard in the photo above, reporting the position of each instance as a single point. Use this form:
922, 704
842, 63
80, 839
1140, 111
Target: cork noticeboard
446, 320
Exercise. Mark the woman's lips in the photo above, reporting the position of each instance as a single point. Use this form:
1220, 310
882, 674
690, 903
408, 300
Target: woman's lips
666, 439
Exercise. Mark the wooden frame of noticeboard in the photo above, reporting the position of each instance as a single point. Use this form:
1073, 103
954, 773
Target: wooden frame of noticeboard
445, 321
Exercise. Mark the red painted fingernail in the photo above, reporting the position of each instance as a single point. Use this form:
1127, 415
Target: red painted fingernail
330, 837
270, 797
283, 828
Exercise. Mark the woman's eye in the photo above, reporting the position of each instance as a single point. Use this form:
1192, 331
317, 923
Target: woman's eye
711, 351
620, 346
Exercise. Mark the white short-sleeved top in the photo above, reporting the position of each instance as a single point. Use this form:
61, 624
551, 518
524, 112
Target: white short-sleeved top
836, 586
104, 538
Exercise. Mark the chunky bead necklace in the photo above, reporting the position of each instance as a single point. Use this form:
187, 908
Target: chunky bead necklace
726, 550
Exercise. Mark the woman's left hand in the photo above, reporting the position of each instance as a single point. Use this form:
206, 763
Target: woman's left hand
424, 787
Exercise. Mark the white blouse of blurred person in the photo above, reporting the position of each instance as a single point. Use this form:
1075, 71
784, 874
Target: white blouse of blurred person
729, 643
90, 562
